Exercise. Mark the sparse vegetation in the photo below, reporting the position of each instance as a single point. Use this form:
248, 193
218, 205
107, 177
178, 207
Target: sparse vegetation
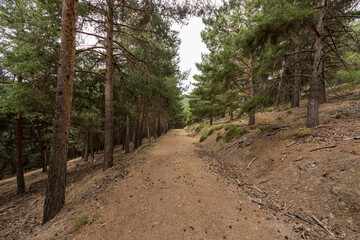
233, 132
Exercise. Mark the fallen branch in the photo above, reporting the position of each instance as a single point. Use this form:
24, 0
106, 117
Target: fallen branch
289, 145
285, 155
323, 226
319, 148
353, 138
257, 189
248, 167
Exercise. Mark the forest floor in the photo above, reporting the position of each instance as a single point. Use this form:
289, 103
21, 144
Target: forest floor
309, 178
164, 191
301, 184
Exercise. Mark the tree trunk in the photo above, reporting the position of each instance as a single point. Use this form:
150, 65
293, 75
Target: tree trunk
159, 125
45, 153
55, 191
141, 125
296, 83
86, 147
316, 77
322, 98
211, 120
109, 89
138, 120
91, 144
231, 114
251, 92
252, 118
19, 156
127, 135
148, 124
279, 89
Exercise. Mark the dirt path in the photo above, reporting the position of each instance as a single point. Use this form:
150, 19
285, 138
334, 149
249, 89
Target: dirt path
173, 196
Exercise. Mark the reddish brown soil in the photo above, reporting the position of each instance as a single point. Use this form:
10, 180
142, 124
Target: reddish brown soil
295, 183
168, 194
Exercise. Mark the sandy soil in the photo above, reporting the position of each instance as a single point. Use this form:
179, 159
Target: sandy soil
172, 196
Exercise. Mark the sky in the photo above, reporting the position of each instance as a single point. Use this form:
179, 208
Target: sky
191, 47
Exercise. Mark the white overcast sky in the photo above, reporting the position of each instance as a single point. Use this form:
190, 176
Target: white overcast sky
191, 47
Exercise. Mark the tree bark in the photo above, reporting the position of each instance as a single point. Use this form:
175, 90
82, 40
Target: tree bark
231, 114
55, 192
296, 83
316, 77
148, 124
91, 144
19, 155
251, 92
159, 125
141, 125
45, 152
127, 135
211, 120
86, 147
109, 89
137, 129
279, 89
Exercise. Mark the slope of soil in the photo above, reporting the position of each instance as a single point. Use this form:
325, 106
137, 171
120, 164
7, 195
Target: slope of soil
292, 177
162, 192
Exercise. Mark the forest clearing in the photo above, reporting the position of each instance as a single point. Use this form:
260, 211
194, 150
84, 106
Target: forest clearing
105, 135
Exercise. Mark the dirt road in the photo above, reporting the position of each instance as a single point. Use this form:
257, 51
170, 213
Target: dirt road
172, 196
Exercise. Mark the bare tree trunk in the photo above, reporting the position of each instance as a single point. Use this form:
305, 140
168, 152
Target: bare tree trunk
231, 114
109, 89
86, 147
138, 120
279, 89
251, 92
19, 156
296, 83
44, 152
316, 77
211, 120
148, 124
91, 144
55, 191
159, 125
141, 125
127, 134
322, 98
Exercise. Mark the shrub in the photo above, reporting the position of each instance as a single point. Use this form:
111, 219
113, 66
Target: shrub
264, 128
81, 221
232, 133
218, 137
289, 112
278, 117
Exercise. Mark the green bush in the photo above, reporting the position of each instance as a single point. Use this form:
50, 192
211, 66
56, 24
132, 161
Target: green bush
289, 112
264, 128
278, 117
206, 135
232, 133
219, 136
287, 108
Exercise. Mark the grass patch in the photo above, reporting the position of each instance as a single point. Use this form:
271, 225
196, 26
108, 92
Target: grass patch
289, 112
279, 118
219, 136
287, 108
206, 135
353, 98
297, 132
233, 132
81, 221
84, 219
261, 128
